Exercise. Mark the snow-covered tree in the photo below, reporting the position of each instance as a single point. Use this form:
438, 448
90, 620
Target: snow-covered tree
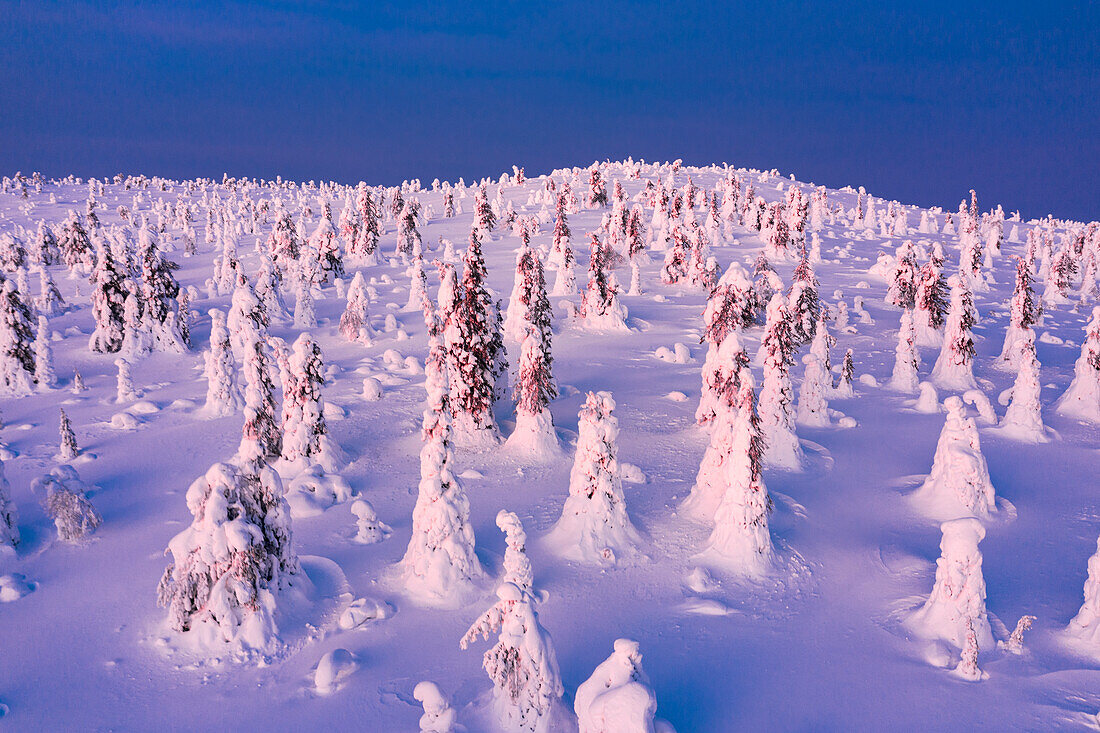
813, 405
906, 357
740, 539
1085, 626
68, 447
438, 715
1025, 312
594, 526
355, 321
440, 566
534, 435
476, 360
804, 303
17, 363
108, 302
305, 314
517, 566
44, 373
954, 368
305, 434
617, 697
959, 484
63, 497
565, 281
369, 529
777, 394
1082, 399
247, 321
903, 289
958, 596
931, 300
529, 305
49, 302
527, 687
600, 307
9, 517
228, 565
731, 305
324, 249
721, 375
261, 436
223, 396
1023, 419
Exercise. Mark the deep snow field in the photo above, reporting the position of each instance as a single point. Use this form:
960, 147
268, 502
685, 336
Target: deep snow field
818, 643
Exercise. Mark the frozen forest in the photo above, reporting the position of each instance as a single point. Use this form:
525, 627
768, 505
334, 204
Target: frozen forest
462, 455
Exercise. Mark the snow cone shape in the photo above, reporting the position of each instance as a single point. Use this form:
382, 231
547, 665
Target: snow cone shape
594, 526
906, 357
959, 484
954, 368
958, 596
617, 697
440, 567
1024, 418
813, 408
534, 435
355, 321
1082, 399
713, 477
741, 540
600, 308
227, 566
1085, 626
527, 685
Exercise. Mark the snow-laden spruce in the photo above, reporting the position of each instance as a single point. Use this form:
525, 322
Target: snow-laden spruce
958, 595
1082, 399
16, 343
721, 372
601, 310
594, 526
617, 697
1025, 312
223, 396
228, 566
527, 686
68, 449
906, 357
305, 439
777, 395
813, 407
440, 567
954, 368
740, 541
355, 321
959, 484
1023, 419
534, 437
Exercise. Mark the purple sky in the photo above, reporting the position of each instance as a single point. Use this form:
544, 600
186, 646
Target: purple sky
917, 103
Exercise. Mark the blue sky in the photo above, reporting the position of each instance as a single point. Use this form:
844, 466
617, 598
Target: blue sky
916, 102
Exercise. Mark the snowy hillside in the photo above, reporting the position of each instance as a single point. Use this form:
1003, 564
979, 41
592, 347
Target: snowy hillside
662, 447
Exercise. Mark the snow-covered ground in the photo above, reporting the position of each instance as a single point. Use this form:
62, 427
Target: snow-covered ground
830, 637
